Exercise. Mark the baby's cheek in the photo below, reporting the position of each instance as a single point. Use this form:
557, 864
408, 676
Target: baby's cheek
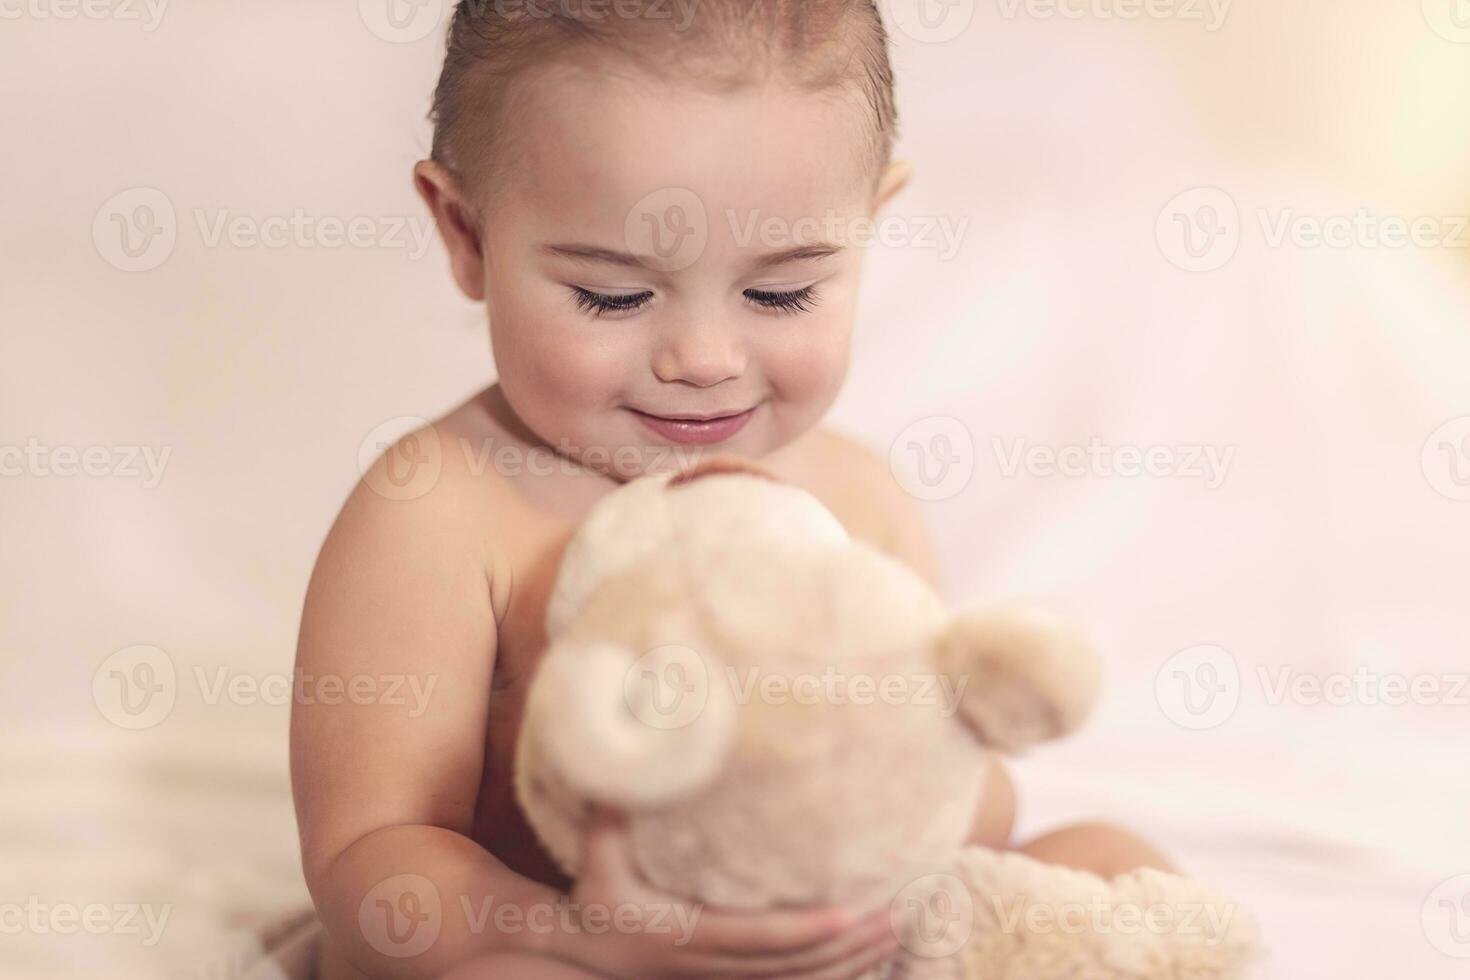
540, 341
807, 365
577, 366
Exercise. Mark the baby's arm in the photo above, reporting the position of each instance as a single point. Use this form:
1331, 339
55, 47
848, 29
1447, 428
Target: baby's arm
400, 591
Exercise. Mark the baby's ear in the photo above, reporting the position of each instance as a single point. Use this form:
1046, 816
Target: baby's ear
443, 193
1023, 675
895, 177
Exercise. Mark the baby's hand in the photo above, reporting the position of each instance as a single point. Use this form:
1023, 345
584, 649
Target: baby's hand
691, 941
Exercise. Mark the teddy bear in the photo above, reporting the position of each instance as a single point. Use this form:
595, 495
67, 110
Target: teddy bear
789, 717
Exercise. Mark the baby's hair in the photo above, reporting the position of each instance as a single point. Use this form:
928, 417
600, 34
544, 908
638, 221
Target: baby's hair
835, 48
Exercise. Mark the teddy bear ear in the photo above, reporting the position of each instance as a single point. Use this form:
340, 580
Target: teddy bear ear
633, 732
1023, 675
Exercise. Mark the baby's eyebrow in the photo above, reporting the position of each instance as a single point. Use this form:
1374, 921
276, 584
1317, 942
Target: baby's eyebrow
592, 253
802, 253
609, 256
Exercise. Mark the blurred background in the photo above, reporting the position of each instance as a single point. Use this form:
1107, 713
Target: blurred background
1231, 235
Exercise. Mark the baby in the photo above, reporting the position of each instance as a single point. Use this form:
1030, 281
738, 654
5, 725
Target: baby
656, 203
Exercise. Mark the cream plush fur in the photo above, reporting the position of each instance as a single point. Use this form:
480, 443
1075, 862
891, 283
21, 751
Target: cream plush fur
791, 717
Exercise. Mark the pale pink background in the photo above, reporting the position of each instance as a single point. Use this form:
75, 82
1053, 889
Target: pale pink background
1060, 320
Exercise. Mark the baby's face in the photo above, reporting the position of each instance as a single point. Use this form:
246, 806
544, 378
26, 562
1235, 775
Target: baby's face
668, 268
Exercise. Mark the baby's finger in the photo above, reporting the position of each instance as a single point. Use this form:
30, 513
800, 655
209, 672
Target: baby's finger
870, 957
757, 933
604, 848
849, 954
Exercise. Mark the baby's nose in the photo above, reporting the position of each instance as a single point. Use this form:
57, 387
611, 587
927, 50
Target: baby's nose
703, 356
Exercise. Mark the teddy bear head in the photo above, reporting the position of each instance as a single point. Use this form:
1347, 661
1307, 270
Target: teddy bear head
787, 716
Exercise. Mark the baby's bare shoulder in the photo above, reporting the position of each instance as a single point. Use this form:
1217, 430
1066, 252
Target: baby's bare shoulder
423, 505
858, 485
426, 478
852, 472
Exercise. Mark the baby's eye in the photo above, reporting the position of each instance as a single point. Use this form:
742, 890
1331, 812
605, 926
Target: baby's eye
599, 303
793, 301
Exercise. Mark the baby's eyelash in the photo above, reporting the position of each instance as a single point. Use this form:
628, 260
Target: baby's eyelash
795, 301
789, 301
599, 303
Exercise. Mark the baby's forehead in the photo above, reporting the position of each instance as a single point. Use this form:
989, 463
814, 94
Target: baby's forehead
591, 140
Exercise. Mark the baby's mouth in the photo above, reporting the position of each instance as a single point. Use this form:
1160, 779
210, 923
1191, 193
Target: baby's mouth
695, 428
